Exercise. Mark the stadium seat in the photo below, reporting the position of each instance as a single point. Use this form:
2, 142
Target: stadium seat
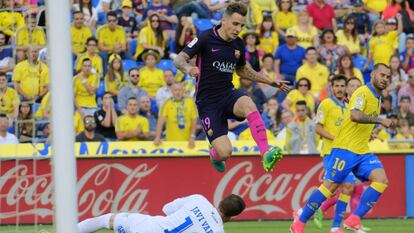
359, 62
132, 47
154, 107
167, 64
101, 18
95, 3
101, 89
128, 64
203, 24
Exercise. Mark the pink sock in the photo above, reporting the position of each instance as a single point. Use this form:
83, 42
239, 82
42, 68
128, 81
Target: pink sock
258, 130
329, 202
214, 155
356, 196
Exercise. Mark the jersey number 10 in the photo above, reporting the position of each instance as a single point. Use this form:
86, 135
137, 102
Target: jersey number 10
181, 228
339, 164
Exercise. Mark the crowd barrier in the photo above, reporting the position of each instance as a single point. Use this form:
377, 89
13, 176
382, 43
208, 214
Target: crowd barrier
143, 184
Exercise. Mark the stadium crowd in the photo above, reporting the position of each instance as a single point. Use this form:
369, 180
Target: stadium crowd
127, 89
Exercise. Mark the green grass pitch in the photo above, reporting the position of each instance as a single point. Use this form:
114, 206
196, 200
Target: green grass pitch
377, 226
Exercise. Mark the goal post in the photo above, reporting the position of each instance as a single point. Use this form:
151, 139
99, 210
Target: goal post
64, 162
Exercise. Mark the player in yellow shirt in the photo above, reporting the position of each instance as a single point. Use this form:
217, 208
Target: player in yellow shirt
9, 99
329, 118
151, 78
381, 45
31, 77
179, 115
131, 126
314, 71
350, 152
85, 84
80, 33
30, 35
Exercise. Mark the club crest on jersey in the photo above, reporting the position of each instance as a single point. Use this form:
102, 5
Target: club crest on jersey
359, 102
237, 53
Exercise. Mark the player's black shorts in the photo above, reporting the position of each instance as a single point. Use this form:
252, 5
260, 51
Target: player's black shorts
214, 116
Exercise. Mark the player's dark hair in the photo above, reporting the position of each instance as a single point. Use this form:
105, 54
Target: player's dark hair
92, 38
77, 12
352, 78
232, 205
113, 14
338, 77
306, 80
2, 74
301, 102
236, 7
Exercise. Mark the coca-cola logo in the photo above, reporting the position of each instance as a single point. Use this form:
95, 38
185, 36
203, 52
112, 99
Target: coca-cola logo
266, 192
34, 193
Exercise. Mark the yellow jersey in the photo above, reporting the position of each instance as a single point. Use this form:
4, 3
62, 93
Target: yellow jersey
10, 21
45, 106
26, 38
382, 47
269, 43
295, 96
246, 135
114, 85
78, 123
110, 38
305, 39
96, 63
317, 75
127, 123
79, 37
378, 5
285, 20
82, 97
32, 78
179, 129
8, 101
330, 115
354, 136
349, 43
151, 80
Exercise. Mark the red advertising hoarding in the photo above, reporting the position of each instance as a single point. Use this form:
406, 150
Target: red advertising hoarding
146, 184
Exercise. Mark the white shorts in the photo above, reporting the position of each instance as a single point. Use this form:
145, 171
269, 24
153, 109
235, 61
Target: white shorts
126, 222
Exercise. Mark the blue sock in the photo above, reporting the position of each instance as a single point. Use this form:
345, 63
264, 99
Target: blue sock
340, 209
314, 202
369, 198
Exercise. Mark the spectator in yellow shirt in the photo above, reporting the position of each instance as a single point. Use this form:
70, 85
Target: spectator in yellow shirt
31, 77
10, 20
314, 71
269, 39
80, 33
114, 79
111, 38
151, 78
285, 18
85, 84
131, 126
9, 99
306, 33
346, 68
91, 54
381, 45
348, 36
30, 35
179, 115
150, 37
301, 92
